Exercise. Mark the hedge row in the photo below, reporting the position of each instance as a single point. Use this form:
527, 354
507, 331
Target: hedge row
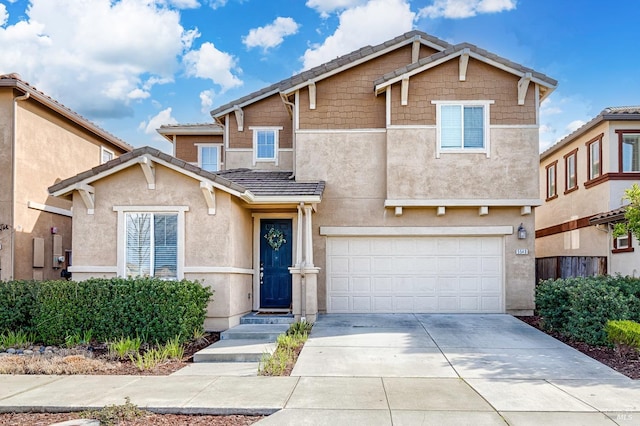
580, 307
152, 309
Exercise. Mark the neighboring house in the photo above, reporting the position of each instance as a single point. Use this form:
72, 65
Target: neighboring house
391, 179
41, 143
582, 180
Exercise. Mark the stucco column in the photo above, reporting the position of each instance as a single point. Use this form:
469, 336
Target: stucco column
304, 274
299, 239
308, 238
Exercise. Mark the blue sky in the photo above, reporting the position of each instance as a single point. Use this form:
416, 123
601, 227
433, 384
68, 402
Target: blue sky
132, 65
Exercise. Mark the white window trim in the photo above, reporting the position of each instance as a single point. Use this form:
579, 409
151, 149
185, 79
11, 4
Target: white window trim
209, 145
621, 246
487, 133
102, 151
122, 231
276, 142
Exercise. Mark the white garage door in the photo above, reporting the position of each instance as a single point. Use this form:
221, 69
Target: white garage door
415, 274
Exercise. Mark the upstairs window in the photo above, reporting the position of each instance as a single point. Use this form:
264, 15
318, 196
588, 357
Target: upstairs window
151, 247
209, 157
105, 155
571, 179
594, 160
265, 144
463, 127
552, 181
629, 146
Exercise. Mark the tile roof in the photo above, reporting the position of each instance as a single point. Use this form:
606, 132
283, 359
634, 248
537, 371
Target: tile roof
330, 66
14, 80
619, 113
272, 183
607, 217
260, 183
457, 48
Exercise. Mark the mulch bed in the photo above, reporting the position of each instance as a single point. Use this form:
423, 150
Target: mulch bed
627, 364
45, 419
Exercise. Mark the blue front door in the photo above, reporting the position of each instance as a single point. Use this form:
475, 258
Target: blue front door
276, 239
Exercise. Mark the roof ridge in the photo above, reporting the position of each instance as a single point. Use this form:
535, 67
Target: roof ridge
331, 65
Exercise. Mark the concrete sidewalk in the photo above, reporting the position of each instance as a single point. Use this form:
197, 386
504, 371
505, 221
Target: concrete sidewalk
379, 370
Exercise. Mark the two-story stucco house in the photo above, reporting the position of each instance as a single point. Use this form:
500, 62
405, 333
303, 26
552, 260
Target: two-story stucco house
41, 143
391, 179
582, 182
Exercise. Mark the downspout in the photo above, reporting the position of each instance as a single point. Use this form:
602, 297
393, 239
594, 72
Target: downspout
293, 136
13, 180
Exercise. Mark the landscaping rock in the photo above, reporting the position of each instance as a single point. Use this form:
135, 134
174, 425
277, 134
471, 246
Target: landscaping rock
11, 351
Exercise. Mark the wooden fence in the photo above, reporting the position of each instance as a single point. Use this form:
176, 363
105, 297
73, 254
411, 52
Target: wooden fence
570, 266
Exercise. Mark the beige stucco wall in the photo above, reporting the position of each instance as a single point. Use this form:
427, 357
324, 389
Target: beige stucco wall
356, 191
6, 181
414, 172
215, 241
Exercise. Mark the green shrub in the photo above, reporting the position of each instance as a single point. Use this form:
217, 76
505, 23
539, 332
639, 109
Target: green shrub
153, 309
299, 328
580, 307
17, 302
624, 333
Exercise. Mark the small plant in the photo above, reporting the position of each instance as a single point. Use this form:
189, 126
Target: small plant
150, 359
76, 339
199, 336
285, 355
299, 328
273, 365
18, 339
116, 414
174, 349
125, 347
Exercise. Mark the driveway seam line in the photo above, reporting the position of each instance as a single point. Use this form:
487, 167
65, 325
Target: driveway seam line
437, 346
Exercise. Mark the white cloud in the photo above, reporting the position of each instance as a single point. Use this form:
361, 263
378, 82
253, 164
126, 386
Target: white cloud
325, 7
4, 15
206, 101
458, 9
138, 94
93, 55
217, 3
163, 117
183, 4
211, 63
388, 17
271, 35
575, 125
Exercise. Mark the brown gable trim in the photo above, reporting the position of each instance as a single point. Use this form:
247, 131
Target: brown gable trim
572, 225
611, 176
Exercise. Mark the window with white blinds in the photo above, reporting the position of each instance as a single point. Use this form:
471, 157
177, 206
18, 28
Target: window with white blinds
463, 126
152, 245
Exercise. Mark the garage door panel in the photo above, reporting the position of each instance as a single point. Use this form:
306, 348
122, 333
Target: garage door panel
415, 274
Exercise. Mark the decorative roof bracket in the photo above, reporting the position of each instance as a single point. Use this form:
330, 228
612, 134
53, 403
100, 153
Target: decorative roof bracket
209, 196
404, 93
239, 117
464, 62
523, 86
88, 195
312, 94
149, 172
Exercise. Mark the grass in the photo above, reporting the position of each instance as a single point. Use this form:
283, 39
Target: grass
19, 340
124, 348
286, 353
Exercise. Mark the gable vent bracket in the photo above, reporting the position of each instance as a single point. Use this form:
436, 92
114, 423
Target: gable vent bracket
148, 170
312, 95
415, 50
464, 62
523, 86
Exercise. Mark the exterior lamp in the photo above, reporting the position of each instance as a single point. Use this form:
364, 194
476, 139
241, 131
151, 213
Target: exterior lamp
522, 233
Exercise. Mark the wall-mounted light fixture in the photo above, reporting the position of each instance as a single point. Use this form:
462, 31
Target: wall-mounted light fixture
522, 233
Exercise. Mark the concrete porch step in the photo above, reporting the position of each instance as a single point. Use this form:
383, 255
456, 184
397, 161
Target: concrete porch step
255, 331
264, 318
236, 350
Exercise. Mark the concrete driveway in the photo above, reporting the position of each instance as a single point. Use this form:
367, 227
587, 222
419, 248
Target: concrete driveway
440, 345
